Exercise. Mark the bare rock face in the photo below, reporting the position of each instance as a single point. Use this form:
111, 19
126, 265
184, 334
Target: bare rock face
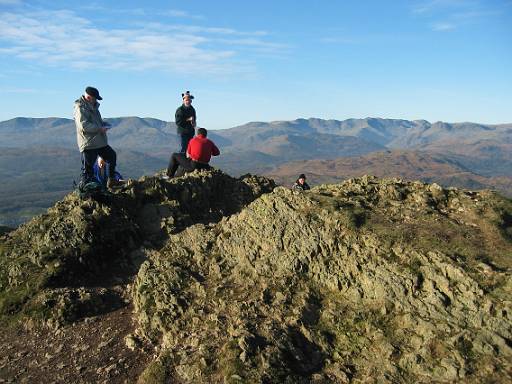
237, 281
366, 281
52, 266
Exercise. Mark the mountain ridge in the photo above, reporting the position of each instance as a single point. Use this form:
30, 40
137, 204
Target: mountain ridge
144, 146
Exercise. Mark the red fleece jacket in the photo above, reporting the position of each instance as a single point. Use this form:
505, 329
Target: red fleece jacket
202, 149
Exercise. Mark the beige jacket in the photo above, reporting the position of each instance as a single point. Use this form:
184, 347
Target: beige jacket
88, 123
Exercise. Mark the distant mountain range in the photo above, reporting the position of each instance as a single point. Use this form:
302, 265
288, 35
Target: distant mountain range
408, 165
482, 148
39, 156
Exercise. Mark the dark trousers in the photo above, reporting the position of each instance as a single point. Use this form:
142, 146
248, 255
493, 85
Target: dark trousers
185, 138
179, 159
89, 156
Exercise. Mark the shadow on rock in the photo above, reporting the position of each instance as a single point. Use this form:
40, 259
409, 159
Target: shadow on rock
87, 243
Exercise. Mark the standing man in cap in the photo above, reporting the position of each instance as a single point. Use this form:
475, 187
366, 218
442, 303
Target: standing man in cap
185, 118
91, 134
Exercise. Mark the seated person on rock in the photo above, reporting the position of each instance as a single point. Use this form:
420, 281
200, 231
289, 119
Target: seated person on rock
300, 184
199, 152
101, 171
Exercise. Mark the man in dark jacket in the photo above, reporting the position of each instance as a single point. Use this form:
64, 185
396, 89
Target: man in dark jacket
91, 133
199, 152
300, 184
185, 118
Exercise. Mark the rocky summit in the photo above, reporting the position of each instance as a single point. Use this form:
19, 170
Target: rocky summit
238, 281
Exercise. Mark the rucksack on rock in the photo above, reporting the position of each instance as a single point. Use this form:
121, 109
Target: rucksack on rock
93, 190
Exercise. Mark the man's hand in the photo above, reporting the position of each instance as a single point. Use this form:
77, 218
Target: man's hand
103, 129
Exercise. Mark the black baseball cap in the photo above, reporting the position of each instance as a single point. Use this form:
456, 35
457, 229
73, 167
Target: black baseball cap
91, 91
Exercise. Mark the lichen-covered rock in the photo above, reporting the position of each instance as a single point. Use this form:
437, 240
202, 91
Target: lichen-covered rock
87, 243
366, 281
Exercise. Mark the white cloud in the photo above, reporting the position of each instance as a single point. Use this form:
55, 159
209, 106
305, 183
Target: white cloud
447, 15
430, 6
177, 13
441, 27
196, 29
61, 38
182, 14
474, 14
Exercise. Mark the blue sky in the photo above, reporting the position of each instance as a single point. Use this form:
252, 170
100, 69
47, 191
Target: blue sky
448, 60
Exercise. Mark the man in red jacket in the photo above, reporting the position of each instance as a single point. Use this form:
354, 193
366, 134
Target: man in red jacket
199, 152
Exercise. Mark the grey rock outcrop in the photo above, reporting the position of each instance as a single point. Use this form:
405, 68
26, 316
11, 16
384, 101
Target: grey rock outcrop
237, 281
47, 264
367, 281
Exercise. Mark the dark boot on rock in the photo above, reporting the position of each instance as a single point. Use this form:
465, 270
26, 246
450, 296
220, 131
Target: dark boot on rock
113, 183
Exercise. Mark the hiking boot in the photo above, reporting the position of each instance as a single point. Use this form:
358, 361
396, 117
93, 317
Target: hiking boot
113, 183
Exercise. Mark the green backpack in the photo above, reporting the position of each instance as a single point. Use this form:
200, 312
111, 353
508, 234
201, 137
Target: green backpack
93, 190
